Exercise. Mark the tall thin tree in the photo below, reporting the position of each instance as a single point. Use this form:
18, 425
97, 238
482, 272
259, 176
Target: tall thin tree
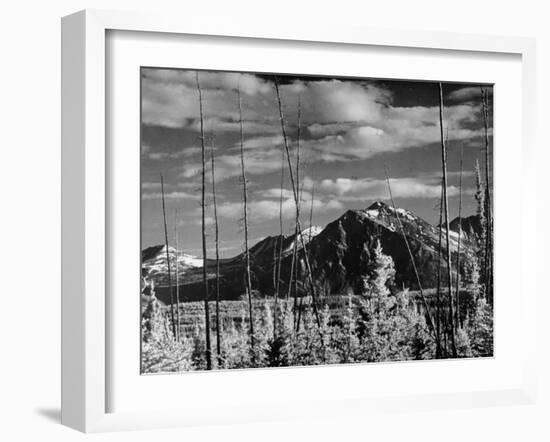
447, 228
280, 239
279, 245
274, 267
178, 319
203, 233
488, 209
293, 278
457, 290
248, 280
306, 251
438, 353
296, 201
217, 243
168, 261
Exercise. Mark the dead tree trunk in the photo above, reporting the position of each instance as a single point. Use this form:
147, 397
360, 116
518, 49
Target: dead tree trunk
168, 259
280, 244
274, 269
293, 279
457, 290
296, 201
217, 242
488, 210
438, 292
306, 252
248, 280
447, 233
280, 240
203, 223
178, 319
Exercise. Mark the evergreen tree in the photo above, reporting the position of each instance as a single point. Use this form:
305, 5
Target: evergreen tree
389, 326
161, 352
346, 338
278, 347
416, 341
463, 344
480, 329
376, 304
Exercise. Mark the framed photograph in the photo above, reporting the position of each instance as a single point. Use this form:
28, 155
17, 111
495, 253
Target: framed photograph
265, 222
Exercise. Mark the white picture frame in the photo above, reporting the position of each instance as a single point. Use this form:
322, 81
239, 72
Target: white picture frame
86, 200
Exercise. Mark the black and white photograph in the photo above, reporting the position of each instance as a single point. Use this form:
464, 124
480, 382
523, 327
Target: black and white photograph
298, 220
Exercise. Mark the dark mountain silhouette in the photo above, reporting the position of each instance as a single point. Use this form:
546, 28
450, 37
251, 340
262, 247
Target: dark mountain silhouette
339, 256
471, 226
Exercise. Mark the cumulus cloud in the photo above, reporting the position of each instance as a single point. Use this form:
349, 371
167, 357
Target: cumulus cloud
258, 161
275, 193
394, 130
348, 189
170, 195
340, 101
209, 80
342, 120
467, 93
197, 221
170, 97
150, 185
268, 209
160, 156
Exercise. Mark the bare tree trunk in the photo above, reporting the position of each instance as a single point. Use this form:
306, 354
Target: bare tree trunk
305, 251
168, 259
217, 241
178, 320
311, 211
292, 288
248, 280
292, 265
457, 291
488, 209
296, 200
424, 302
274, 270
438, 300
299, 205
204, 257
280, 243
447, 233
280, 240
293, 280
278, 249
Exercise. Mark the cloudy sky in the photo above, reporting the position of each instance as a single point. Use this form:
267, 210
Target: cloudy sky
350, 130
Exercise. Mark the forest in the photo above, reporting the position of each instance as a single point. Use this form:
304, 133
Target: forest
376, 285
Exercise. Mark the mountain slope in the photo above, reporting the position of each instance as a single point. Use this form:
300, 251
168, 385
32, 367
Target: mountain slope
470, 226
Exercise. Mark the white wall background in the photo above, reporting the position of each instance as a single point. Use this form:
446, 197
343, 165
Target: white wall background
30, 219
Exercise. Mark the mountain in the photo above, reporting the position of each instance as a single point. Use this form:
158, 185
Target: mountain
339, 255
471, 226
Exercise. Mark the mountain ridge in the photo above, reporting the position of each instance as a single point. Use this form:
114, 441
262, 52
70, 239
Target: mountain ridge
338, 253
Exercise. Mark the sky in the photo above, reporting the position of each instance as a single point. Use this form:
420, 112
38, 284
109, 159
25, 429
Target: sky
351, 131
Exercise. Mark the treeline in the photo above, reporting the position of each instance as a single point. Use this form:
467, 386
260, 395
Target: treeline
378, 324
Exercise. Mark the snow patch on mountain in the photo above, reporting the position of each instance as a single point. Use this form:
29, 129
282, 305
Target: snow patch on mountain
311, 231
157, 264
